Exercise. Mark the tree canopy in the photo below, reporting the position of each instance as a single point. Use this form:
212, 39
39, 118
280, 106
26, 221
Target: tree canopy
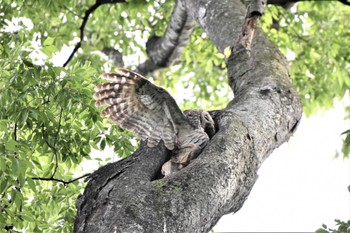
48, 121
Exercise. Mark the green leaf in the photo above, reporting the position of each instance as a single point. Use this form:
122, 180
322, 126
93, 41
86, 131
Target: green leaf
49, 50
103, 144
346, 132
27, 217
31, 184
11, 144
18, 199
2, 164
28, 63
227, 52
3, 125
321, 230
15, 166
20, 178
3, 185
48, 41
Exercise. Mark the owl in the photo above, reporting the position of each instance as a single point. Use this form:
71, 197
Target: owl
152, 114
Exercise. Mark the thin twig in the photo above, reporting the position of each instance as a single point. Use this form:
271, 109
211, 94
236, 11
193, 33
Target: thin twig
53, 149
88, 12
55, 142
82, 26
15, 131
61, 181
72, 12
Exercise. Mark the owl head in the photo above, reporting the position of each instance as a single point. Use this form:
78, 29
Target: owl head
200, 119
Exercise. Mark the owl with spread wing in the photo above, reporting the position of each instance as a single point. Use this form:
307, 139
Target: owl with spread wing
152, 114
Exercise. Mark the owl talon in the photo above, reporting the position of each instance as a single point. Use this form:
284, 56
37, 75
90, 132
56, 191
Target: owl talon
180, 160
151, 113
170, 167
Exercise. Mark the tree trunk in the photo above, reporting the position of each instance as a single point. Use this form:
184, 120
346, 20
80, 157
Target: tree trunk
127, 196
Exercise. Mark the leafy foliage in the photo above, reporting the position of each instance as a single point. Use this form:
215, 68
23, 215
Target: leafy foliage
342, 227
315, 40
346, 136
48, 121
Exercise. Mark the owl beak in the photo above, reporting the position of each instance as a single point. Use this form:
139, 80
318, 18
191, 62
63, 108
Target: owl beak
206, 118
208, 124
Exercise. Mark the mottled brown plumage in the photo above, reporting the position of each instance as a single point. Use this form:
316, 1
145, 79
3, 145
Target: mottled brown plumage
151, 113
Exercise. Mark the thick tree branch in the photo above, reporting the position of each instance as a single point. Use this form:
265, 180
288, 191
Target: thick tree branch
163, 51
114, 56
346, 2
147, 67
136, 169
128, 196
87, 14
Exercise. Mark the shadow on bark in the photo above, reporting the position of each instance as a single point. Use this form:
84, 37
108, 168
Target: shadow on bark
131, 196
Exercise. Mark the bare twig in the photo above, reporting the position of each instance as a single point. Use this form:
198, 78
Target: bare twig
62, 181
55, 142
15, 132
72, 12
88, 12
82, 26
53, 149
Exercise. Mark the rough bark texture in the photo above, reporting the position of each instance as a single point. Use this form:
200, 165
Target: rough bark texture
127, 196
114, 56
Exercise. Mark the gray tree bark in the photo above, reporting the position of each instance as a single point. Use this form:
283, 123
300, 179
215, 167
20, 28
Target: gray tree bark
164, 51
127, 196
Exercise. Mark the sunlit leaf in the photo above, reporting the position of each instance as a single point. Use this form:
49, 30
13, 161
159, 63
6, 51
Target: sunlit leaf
11, 145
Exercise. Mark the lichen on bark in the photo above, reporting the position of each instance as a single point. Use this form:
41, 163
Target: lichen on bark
127, 197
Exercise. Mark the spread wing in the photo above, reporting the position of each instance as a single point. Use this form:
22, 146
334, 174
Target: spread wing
141, 107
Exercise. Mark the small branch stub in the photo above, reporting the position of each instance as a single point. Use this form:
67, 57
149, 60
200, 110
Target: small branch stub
240, 52
255, 11
256, 7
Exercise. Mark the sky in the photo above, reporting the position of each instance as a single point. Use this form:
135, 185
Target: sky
301, 185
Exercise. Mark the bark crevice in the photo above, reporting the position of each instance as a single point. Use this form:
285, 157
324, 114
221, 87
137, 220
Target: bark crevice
260, 118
